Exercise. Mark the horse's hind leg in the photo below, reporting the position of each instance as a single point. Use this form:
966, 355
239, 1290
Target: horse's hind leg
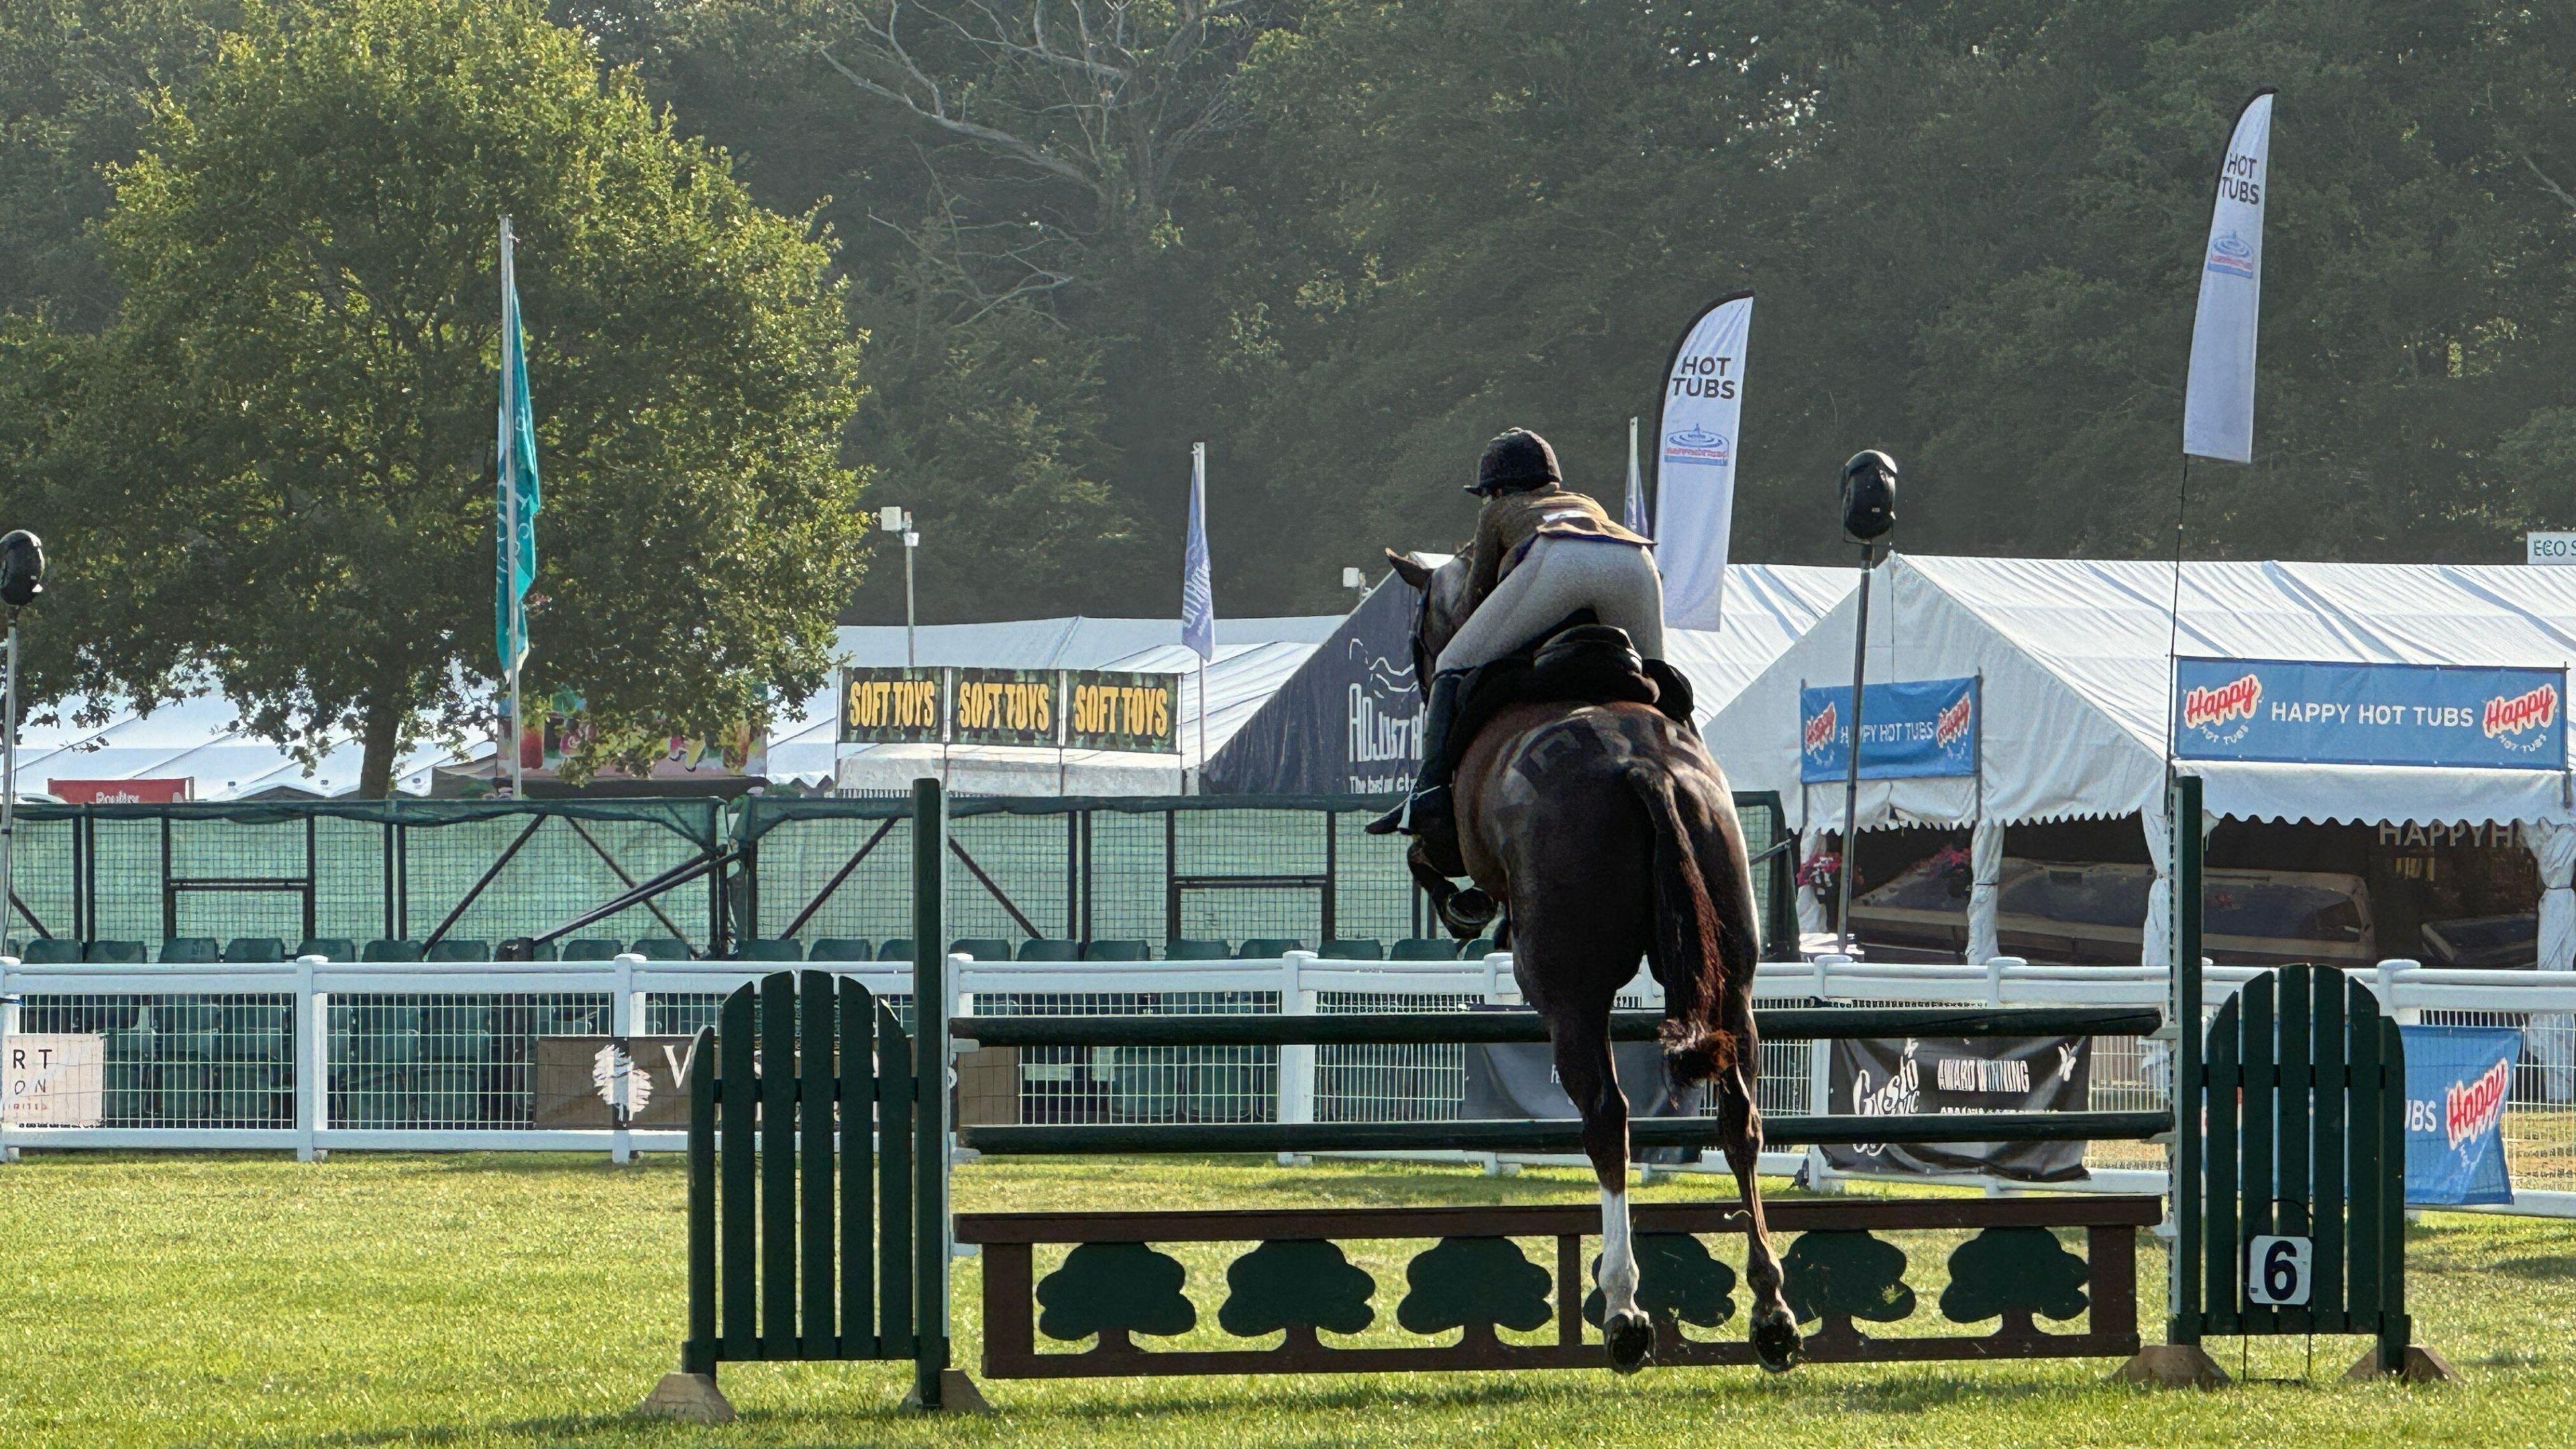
1776, 1341
1584, 1068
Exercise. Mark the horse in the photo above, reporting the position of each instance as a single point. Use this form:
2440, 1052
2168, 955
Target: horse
1606, 833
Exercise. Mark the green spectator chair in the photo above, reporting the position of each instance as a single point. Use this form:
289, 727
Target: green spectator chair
190, 951
188, 1097
128, 1074
1265, 948
1477, 949
380, 1031
593, 948
458, 1031
192, 1029
542, 951
1117, 951
329, 948
121, 953
455, 948
1353, 948
562, 1020
1423, 948
982, 948
896, 948
841, 948
50, 951
663, 948
1034, 949
254, 951
390, 953
769, 950
451, 1094
1187, 949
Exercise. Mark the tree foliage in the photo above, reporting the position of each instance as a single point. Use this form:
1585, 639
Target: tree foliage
277, 466
1346, 241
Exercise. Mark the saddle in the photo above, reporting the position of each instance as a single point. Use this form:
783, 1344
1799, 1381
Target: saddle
1579, 661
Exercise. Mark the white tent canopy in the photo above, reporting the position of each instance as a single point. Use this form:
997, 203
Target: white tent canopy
2072, 656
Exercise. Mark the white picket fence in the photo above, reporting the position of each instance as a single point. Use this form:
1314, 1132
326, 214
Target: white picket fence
315, 1057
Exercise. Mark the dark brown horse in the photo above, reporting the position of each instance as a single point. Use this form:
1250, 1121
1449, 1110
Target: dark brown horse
1608, 834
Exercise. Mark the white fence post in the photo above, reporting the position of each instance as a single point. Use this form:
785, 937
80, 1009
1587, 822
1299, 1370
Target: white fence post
303, 1030
312, 1063
1296, 1063
1820, 1080
8, 1028
622, 1026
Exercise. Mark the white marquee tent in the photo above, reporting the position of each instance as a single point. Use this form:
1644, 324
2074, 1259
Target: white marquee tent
2075, 692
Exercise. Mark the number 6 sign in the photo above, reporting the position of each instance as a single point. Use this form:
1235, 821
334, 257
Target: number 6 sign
2276, 1271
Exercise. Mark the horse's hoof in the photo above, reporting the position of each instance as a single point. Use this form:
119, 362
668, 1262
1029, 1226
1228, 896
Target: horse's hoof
1776, 1341
1470, 910
1631, 1338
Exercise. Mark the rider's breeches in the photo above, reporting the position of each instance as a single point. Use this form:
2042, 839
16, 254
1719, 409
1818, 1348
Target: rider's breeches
1560, 574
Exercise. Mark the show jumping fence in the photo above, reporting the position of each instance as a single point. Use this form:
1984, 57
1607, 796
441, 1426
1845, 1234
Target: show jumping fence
1111, 1285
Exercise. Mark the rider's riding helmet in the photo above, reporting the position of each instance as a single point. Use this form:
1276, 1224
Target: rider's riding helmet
1869, 495
1515, 461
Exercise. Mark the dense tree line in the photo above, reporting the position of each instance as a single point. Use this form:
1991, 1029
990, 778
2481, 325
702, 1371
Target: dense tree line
1344, 241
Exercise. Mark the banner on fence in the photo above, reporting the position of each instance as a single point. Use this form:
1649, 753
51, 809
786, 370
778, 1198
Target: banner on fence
1109, 710
1912, 730
1910, 1076
54, 1079
2370, 714
890, 706
1004, 706
2457, 1080
1518, 1081
612, 1081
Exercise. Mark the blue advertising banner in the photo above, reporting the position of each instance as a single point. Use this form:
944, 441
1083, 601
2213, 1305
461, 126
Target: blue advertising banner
2457, 1078
1925, 727
2370, 714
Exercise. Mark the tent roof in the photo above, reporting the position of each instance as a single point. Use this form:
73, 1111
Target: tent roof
1072, 642
2073, 654
1767, 608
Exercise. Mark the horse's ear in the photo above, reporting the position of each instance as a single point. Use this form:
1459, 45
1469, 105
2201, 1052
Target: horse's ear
1412, 570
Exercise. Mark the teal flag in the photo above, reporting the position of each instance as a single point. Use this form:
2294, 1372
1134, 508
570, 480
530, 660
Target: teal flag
516, 567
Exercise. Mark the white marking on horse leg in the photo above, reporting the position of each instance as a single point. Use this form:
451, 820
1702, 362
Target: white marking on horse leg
1618, 1257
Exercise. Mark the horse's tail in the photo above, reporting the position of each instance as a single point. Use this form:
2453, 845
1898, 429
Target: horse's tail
1697, 1046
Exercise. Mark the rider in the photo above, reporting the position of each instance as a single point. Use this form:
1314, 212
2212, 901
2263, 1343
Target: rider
1541, 553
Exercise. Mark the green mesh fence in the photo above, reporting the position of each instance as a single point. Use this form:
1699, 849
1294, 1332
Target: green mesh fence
393, 879
254, 882
1152, 870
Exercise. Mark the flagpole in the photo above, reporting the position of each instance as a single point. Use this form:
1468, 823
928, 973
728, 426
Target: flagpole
1198, 497
2173, 616
510, 526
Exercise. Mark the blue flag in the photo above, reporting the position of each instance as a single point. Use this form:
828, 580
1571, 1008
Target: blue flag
516, 566
1198, 592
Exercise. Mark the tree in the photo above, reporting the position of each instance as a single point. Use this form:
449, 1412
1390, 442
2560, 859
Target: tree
1473, 1284
77, 78
1677, 1282
2013, 1273
279, 471
1298, 1286
1115, 1290
1840, 1276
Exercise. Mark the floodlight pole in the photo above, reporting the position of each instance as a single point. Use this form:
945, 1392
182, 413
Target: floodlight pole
1851, 766
9, 792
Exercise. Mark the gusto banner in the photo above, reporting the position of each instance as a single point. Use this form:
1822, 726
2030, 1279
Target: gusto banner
2457, 1079
1912, 730
2289, 712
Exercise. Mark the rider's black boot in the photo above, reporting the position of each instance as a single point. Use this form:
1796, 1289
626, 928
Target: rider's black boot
1428, 805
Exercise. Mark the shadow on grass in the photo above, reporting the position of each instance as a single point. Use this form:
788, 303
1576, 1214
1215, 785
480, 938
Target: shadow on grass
2554, 1266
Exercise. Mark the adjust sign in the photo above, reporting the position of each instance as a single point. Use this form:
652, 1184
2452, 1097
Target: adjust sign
2370, 714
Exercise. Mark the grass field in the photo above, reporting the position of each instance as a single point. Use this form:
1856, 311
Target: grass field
472, 1301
